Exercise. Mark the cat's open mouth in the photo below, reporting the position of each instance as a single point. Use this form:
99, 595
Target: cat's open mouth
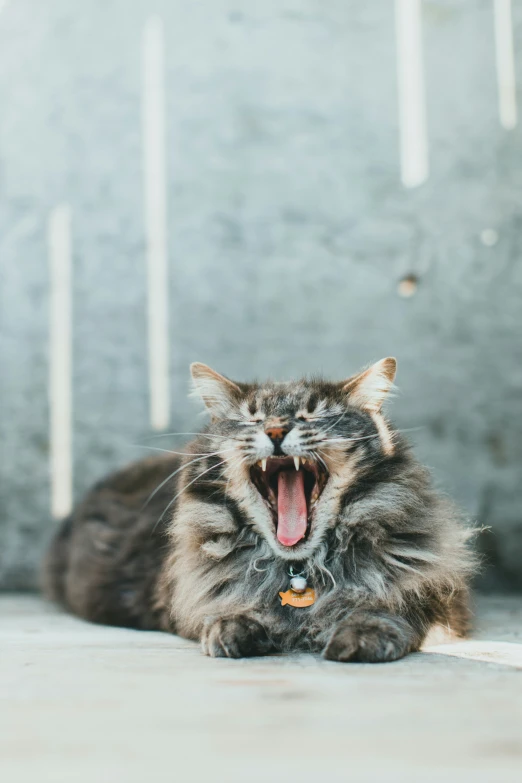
291, 486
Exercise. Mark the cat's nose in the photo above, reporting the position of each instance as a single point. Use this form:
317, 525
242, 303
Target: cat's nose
276, 435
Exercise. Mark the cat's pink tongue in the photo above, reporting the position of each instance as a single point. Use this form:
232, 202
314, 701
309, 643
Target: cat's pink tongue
291, 507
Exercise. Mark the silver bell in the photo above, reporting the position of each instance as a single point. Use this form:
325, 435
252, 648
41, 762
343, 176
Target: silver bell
298, 584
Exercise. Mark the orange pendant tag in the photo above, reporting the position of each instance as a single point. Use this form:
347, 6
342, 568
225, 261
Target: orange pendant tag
298, 599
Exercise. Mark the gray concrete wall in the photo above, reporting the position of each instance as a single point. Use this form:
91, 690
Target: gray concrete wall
288, 232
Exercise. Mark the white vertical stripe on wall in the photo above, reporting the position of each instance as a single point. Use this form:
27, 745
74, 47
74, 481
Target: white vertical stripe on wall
155, 221
412, 102
507, 95
60, 360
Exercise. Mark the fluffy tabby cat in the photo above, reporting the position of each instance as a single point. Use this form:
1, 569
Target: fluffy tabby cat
302, 477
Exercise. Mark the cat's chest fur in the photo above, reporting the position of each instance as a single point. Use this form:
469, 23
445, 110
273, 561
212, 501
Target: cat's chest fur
220, 565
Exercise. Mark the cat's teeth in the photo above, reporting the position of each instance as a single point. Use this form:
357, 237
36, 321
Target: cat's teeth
263, 464
296, 463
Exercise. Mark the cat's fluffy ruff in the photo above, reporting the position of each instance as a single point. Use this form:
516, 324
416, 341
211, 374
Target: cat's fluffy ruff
388, 558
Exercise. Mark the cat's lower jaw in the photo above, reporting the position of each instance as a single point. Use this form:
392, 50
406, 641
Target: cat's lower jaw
239, 636
370, 638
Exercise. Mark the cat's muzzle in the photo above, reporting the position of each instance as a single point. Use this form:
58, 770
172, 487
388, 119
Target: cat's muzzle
290, 486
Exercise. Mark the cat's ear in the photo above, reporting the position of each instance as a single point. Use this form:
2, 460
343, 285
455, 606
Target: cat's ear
369, 388
218, 393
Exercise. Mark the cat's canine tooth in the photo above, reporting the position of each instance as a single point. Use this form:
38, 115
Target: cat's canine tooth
263, 464
296, 463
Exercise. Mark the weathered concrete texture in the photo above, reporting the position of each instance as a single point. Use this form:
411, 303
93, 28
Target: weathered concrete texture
85, 703
289, 232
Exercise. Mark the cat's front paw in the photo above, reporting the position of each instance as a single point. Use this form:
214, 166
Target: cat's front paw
369, 638
234, 637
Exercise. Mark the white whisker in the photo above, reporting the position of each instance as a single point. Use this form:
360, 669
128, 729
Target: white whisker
321, 460
339, 418
349, 440
183, 490
175, 472
199, 434
184, 453
340, 439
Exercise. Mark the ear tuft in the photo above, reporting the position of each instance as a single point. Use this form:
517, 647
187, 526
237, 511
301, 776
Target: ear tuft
219, 393
370, 388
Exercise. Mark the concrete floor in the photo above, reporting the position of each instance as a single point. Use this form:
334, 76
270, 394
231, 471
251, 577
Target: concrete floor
86, 703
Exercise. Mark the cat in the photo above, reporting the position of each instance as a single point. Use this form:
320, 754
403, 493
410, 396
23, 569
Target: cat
303, 480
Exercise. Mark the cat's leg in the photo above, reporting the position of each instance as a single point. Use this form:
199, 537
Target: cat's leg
373, 637
235, 636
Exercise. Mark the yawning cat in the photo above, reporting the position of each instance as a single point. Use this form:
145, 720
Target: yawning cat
297, 520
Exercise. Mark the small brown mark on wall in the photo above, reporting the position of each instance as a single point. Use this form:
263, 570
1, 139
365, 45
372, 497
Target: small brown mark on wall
407, 286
